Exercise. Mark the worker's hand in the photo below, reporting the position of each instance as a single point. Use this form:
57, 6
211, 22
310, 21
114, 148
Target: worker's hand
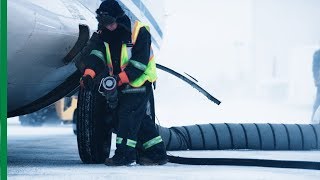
87, 82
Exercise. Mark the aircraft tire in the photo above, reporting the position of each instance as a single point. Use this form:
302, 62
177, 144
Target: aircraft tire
74, 121
93, 139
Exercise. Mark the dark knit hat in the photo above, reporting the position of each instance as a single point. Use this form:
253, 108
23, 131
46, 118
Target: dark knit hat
109, 12
110, 7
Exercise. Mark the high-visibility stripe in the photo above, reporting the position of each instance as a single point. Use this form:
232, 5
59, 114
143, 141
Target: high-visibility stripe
131, 143
151, 54
124, 57
138, 65
109, 61
149, 70
152, 142
99, 54
137, 26
119, 140
135, 32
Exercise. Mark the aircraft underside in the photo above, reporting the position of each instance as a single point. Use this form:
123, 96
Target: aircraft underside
41, 39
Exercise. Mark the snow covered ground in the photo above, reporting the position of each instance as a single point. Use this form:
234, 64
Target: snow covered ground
50, 152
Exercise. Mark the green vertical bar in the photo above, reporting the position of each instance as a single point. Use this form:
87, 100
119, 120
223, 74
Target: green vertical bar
3, 89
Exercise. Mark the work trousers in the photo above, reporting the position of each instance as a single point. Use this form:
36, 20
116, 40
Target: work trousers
134, 121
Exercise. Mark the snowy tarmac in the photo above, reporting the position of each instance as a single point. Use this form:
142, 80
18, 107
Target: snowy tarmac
50, 152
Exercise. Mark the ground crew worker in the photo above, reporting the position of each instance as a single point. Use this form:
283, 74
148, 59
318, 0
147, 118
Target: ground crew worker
316, 78
129, 58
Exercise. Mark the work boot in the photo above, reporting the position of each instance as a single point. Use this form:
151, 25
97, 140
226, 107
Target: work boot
155, 155
122, 159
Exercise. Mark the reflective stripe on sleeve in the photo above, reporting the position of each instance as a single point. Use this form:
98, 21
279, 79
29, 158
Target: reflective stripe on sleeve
99, 54
138, 65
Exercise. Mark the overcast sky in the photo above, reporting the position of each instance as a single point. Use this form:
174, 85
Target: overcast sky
241, 50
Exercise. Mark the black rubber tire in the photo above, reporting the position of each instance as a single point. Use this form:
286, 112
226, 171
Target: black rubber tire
74, 121
93, 136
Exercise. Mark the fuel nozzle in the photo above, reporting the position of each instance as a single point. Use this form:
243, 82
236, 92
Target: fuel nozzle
108, 88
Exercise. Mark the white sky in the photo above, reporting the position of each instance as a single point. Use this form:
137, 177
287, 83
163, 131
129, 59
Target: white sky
250, 54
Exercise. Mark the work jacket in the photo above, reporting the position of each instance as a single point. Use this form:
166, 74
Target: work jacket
136, 59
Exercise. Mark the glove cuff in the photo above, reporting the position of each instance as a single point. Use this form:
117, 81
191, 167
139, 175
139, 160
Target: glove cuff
89, 72
123, 78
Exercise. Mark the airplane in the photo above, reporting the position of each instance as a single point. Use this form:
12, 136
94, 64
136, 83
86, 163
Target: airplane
45, 37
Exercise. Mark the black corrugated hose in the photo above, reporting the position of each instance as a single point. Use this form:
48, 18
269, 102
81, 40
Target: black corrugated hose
243, 136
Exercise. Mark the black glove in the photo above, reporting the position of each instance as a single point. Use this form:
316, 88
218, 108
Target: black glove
87, 82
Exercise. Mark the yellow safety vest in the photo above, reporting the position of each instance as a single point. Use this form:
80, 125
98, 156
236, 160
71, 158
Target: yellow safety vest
149, 70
